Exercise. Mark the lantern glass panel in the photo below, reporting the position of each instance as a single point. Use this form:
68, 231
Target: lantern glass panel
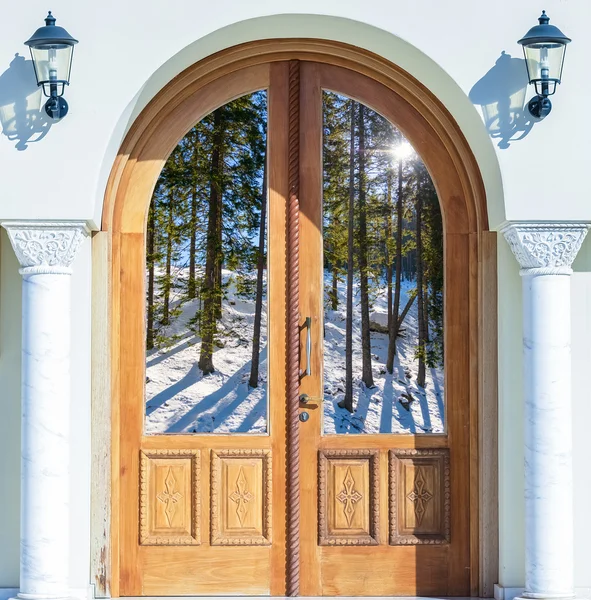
544, 65
52, 63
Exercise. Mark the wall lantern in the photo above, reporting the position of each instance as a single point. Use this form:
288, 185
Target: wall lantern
52, 48
544, 47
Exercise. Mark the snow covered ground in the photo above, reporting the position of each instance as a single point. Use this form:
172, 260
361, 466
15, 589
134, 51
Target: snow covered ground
386, 407
180, 400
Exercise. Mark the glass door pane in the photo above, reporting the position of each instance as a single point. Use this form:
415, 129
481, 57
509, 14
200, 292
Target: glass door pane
206, 305
383, 278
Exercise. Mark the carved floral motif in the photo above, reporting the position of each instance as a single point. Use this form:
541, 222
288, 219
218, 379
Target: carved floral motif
419, 495
241, 496
349, 496
169, 496
46, 247
545, 245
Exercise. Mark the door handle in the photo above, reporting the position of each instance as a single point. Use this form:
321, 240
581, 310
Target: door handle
308, 327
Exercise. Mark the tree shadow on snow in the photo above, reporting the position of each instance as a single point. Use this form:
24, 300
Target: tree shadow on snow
189, 340
257, 411
234, 383
387, 405
439, 394
193, 376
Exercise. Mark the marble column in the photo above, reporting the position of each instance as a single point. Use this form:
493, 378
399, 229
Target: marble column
45, 251
545, 252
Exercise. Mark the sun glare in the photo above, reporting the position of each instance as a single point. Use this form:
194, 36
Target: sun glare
403, 151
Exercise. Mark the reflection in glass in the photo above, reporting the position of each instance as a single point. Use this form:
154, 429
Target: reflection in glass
206, 308
383, 279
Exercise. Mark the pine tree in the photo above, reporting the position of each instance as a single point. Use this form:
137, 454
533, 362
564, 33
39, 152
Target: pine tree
347, 401
256, 336
394, 329
367, 376
336, 189
421, 350
210, 283
151, 262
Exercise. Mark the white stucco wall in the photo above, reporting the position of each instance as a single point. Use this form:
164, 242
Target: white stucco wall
511, 451
129, 50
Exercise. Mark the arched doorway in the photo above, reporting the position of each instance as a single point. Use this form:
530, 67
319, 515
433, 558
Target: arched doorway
397, 559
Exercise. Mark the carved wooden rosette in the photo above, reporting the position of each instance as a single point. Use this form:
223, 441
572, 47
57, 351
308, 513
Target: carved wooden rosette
420, 497
241, 497
170, 501
348, 497
293, 338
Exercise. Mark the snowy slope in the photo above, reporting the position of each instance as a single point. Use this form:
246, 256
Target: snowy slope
180, 400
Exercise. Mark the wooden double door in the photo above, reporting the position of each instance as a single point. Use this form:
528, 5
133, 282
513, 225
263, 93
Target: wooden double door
297, 509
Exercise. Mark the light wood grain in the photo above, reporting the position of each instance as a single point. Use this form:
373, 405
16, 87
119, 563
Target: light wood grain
311, 305
379, 570
214, 573
277, 137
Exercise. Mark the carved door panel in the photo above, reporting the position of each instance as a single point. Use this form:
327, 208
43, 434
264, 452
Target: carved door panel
385, 489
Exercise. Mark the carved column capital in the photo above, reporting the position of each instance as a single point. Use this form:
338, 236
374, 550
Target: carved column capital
47, 247
545, 248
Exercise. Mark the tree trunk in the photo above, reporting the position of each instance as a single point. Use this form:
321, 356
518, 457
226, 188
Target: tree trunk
366, 376
258, 309
219, 261
150, 246
387, 258
420, 293
208, 314
405, 312
334, 295
395, 310
167, 283
347, 401
192, 285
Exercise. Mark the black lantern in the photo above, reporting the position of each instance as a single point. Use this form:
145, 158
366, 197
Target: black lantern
544, 47
52, 48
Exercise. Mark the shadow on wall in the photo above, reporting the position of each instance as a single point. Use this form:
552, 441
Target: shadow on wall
501, 97
21, 104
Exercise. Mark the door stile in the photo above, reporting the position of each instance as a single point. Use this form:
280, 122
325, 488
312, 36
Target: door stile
131, 340
277, 137
311, 305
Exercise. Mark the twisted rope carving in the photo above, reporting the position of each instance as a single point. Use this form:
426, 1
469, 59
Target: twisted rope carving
293, 338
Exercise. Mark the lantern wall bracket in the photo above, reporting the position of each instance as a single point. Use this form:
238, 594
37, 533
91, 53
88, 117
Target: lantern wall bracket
539, 107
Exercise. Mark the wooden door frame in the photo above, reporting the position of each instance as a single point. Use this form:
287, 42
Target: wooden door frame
191, 95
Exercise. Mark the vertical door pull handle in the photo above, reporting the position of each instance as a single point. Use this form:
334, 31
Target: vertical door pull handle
308, 345
308, 327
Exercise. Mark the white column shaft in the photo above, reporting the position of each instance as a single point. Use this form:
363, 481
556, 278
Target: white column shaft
45, 251
45, 436
545, 252
548, 436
